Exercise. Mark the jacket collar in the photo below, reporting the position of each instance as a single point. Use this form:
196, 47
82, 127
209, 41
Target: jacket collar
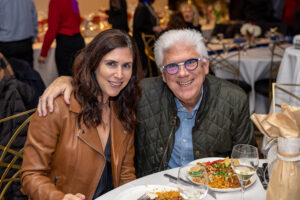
90, 134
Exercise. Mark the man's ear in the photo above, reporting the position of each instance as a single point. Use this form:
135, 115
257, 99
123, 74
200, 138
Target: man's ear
206, 67
164, 76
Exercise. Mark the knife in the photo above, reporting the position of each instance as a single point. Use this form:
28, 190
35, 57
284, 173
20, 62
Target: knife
173, 179
260, 174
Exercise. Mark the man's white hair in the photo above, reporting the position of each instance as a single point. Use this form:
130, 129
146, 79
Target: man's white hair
171, 37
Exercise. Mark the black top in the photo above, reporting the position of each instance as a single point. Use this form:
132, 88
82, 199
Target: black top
106, 182
118, 14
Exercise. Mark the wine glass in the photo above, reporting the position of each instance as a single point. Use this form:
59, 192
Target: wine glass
192, 182
244, 162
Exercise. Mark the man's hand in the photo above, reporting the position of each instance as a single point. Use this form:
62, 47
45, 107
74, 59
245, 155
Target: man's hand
61, 85
77, 196
41, 59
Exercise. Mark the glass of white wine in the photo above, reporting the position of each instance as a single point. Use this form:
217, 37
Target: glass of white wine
244, 162
192, 182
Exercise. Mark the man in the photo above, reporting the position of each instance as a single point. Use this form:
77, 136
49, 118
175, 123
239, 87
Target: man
18, 29
145, 20
184, 115
118, 14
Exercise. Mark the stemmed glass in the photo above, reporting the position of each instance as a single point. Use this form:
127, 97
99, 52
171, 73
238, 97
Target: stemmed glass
244, 162
192, 182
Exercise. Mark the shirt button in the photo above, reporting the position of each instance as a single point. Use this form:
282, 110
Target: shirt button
184, 140
197, 153
161, 148
186, 119
183, 158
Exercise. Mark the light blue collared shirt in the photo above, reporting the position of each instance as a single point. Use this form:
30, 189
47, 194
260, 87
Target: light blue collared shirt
18, 20
182, 152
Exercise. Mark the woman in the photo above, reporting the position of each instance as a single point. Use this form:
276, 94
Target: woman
191, 16
64, 25
86, 148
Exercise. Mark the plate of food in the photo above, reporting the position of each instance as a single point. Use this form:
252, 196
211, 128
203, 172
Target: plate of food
154, 192
221, 177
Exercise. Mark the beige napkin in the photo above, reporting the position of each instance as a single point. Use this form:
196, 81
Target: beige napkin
285, 127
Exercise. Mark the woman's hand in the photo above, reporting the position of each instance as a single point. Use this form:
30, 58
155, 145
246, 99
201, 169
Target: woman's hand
61, 85
41, 59
77, 196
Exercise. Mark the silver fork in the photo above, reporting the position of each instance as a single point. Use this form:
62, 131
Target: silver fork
144, 197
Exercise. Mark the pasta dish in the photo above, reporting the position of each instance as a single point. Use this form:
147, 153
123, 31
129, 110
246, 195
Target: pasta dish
168, 195
220, 174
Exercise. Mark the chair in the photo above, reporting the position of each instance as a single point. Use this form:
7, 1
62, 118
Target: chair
10, 158
264, 86
220, 61
290, 95
5, 68
149, 40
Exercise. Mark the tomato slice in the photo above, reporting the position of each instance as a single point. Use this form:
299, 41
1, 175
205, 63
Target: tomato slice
217, 161
208, 163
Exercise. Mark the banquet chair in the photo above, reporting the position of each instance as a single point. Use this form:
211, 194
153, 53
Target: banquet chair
290, 91
264, 86
149, 40
220, 61
5, 68
11, 158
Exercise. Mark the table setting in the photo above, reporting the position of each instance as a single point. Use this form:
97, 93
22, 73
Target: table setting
177, 181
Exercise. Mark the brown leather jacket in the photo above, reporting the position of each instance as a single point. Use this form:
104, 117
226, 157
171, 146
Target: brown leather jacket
60, 158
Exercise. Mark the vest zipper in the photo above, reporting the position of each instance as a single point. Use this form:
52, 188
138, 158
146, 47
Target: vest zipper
173, 123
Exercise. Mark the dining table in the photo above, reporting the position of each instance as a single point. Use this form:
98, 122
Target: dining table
288, 73
126, 191
48, 70
254, 65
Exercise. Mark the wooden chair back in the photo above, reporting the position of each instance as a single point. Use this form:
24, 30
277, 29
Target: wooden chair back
149, 40
219, 60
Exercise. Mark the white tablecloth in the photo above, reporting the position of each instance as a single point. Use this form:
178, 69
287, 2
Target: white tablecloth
254, 65
289, 72
254, 192
48, 71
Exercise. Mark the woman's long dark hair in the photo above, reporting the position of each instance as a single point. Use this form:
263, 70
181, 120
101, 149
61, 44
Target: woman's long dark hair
87, 89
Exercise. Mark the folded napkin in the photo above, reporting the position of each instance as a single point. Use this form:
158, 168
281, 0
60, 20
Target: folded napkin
285, 124
283, 127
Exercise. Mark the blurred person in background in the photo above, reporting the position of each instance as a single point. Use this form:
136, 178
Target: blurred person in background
186, 17
289, 11
117, 14
191, 16
64, 25
18, 29
146, 21
82, 150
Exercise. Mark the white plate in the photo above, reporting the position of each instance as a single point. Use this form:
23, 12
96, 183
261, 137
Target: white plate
136, 192
253, 178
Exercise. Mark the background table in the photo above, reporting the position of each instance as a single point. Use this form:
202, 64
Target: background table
254, 192
254, 65
48, 70
289, 72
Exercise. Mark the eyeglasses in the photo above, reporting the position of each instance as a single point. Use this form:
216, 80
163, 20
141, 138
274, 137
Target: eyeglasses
190, 64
